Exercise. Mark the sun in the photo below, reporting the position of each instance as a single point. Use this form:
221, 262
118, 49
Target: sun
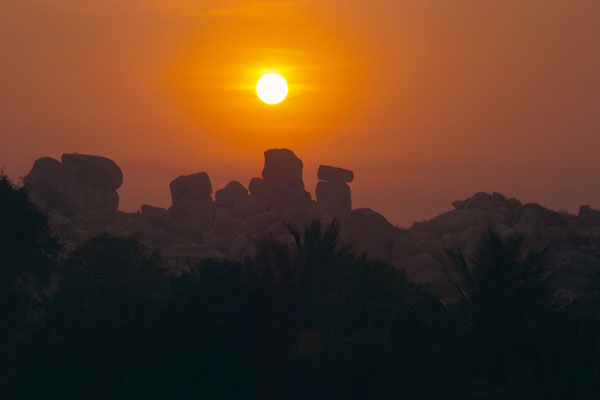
272, 88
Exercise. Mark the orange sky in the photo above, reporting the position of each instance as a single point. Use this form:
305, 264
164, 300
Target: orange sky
427, 101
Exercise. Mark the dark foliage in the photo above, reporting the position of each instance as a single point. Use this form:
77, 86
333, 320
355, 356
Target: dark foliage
27, 252
301, 321
505, 306
343, 327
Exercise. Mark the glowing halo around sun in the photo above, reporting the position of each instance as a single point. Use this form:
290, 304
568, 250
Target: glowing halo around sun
272, 88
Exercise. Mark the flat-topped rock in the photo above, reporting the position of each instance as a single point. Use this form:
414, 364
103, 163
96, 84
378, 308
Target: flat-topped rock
93, 172
195, 186
282, 165
335, 174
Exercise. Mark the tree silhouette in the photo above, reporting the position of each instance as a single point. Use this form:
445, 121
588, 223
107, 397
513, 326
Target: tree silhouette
101, 316
28, 252
338, 326
204, 338
28, 258
574, 335
302, 319
505, 303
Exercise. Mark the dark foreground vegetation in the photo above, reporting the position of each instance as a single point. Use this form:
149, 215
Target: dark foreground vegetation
308, 322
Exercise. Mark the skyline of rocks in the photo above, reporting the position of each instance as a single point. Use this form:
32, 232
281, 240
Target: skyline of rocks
80, 196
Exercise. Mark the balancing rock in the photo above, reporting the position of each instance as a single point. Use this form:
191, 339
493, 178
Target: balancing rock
334, 174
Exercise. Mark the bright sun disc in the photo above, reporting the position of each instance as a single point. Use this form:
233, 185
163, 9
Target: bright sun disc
272, 88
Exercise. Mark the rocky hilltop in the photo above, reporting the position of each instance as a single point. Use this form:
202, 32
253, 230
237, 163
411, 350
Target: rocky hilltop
79, 193
572, 242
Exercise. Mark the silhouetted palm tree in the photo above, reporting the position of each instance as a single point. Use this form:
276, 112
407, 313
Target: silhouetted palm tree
342, 326
504, 303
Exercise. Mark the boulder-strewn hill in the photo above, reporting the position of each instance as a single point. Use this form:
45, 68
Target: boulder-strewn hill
572, 241
80, 196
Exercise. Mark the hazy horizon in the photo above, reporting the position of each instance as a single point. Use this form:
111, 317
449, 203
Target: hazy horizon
426, 102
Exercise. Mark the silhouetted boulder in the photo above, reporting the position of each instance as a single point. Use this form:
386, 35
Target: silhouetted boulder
334, 174
100, 201
588, 215
333, 198
232, 195
483, 200
79, 196
93, 172
369, 232
282, 165
195, 186
193, 215
81, 184
139, 227
260, 186
148, 210
276, 196
225, 229
51, 186
261, 222
539, 217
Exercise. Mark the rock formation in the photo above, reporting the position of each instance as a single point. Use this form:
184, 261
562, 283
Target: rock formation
233, 199
191, 187
333, 194
81, 184
192, 206
573, 254
283, 166
94, 172
79, 195
233, 194
281, 189
334, 174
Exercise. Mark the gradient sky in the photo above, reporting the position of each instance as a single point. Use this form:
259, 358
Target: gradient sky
427, 101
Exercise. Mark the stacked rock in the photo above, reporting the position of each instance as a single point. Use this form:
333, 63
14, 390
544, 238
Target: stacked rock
281, 188
333, 193
192, 202
81, 184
